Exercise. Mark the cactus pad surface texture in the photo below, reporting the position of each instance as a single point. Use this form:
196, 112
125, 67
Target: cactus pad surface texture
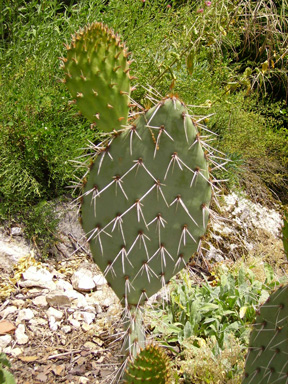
97, 75
150, 366
145, 204
267, 359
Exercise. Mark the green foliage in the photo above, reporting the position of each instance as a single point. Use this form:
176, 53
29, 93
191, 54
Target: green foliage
39, 131
202, 361
219, 308
212, 321
5, 376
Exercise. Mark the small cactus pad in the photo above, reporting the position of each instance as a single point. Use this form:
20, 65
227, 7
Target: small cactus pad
146, 202
267, 359
151, 366
97, 75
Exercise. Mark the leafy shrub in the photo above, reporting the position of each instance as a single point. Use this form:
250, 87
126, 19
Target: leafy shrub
5, 376
225, 306
203, 362
211, 319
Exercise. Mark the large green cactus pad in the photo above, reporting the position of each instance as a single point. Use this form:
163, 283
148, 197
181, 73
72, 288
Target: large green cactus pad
145, 204
151, 366
97, 75
267, 359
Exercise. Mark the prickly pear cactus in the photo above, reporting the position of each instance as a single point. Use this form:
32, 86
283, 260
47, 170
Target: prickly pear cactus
150, 366
267, 359
97, 75
145, 204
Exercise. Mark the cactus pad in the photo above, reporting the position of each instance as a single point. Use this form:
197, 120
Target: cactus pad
267, 359
145, 204
150, 366
97, 75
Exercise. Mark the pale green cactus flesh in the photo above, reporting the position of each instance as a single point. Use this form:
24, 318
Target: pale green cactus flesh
267, 359
146, 202
150, 366
97, 75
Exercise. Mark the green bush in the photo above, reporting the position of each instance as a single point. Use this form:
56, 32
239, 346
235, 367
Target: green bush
209, 58
212, 319
5, 376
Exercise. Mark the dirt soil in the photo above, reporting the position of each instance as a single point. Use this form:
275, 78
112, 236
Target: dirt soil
78, 357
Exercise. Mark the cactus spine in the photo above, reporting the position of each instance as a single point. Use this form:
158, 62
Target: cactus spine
267, 361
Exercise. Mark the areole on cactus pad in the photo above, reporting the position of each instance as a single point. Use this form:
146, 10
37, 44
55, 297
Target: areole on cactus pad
145, 204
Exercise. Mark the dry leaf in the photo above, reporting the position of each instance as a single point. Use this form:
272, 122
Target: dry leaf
58, 369
6, 327
28, 359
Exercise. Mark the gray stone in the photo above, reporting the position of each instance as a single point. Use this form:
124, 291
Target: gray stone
58, 299
11, 252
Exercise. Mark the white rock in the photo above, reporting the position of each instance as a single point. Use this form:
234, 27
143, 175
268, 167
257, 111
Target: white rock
16, 231
38, 321
50, 285
74, 323
82, 280
37, 274
63, 285
98, 308
37, 277
99, 280
21, 337
53, 325
24, 314
214, 254
66, 328
83, 380
8, 310
108, 301
75, 295
81, 303
253, 215
40, 301
4, 341
13, 351
11, 252
88, 317
55, 313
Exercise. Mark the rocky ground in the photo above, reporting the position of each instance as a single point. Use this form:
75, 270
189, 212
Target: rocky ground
59, 319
